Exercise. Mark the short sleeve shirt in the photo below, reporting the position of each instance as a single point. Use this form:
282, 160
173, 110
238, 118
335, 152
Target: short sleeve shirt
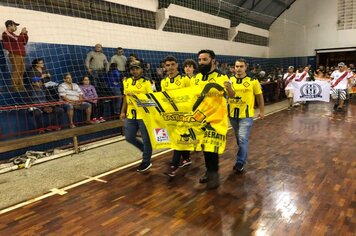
132, 87
242, 106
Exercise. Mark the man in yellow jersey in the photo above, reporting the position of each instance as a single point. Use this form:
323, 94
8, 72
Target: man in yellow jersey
209, 74
174, 80
241, 109
133, 122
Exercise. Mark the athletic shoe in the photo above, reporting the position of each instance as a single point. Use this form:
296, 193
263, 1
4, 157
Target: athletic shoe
53, 128
91, 122
204, 178
95, 120
238, 168
171, 172
185, 162
72, 126
41, 130
101, 119
144, 166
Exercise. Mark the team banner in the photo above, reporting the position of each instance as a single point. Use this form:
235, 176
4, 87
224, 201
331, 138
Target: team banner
311, 91
192, 118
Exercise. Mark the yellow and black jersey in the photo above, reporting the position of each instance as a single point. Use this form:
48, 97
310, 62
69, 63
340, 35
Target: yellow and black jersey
213, 77
242, 106
178, 82
132, 87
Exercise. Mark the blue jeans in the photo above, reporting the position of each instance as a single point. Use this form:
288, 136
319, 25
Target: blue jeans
131, 128
242, 129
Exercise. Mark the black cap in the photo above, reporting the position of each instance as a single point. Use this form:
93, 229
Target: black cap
135, 64
10, 22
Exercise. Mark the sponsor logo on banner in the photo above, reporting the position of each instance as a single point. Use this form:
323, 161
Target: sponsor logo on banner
161, 135
310, 91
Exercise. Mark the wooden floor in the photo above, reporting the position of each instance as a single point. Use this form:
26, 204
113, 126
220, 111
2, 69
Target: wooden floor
300, 180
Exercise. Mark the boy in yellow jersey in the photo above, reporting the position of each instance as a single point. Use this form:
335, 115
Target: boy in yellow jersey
174, 80
241, 109
133, 122
209, 74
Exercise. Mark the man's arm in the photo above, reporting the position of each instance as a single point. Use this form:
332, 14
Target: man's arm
261, 105
87, 61
123, 109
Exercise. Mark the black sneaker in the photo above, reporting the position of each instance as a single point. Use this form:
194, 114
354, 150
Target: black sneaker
171, 172
144, 166
204, 178
185, 162
238, 168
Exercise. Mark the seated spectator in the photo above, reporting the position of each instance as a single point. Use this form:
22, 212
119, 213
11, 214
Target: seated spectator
90, 95
38, 69
71, 93
55, 113
115, 84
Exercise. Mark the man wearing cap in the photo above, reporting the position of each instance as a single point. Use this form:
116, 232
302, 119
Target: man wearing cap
133, 122
55, 113
17, 52
339, 81
288, 78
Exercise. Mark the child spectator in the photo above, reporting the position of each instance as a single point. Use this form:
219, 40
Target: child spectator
115, 84
90, 95
55, 113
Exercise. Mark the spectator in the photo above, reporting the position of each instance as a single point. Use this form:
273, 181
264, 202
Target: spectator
190, 68
115, 84
38, 69
120, 60
90, 95
160, 74
17, 53
97, 65
73, 96
55, 113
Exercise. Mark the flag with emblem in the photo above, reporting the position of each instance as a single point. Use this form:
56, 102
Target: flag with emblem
192, 118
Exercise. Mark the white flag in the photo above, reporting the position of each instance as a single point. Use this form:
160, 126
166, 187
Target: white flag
311, 91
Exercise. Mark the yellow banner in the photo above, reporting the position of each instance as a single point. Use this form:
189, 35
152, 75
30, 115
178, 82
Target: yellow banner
192, 118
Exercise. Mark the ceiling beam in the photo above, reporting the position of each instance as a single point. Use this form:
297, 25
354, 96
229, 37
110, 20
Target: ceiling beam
280, 2
255, 4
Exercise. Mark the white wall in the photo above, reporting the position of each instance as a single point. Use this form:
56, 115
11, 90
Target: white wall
51, 28
306, 26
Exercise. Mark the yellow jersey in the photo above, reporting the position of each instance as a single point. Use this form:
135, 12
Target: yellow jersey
213, 77
242, 106
177, 82
131, 88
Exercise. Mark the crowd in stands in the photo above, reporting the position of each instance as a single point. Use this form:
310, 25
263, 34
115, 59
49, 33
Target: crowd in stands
104, 79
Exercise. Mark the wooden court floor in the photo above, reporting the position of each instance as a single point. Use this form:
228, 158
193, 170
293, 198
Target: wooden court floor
300, 180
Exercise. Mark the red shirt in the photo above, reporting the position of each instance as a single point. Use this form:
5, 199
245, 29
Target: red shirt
15, 44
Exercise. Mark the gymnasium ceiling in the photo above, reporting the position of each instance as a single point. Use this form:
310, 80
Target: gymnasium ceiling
259, 13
